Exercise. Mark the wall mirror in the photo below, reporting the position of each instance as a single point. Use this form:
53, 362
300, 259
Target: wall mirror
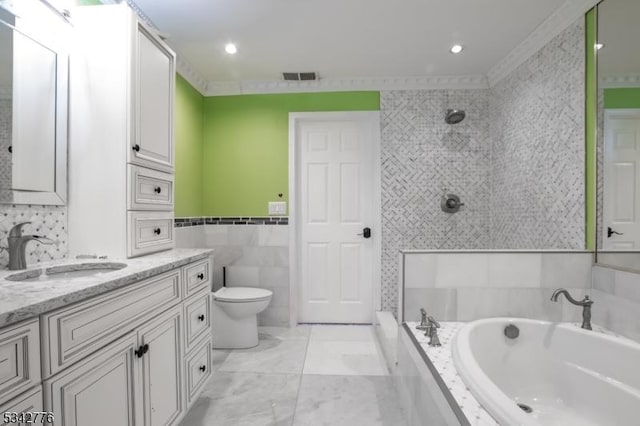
33, 103
618, 203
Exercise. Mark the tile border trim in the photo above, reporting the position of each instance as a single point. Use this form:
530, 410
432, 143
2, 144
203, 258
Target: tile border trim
184, 222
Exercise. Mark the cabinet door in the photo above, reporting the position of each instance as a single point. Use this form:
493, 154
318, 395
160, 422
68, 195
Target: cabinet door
28, 402
161, 369
98, 391
153, 82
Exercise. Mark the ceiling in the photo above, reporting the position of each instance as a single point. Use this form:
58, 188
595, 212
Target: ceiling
344, 38
619, 31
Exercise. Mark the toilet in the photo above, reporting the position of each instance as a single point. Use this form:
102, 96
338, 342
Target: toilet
234, 316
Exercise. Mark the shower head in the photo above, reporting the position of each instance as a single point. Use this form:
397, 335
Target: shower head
454, 116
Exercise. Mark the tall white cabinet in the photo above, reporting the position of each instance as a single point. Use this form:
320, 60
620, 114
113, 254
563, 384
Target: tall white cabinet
121, 155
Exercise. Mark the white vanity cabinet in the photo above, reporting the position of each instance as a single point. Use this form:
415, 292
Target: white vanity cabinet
121, 155
136, 355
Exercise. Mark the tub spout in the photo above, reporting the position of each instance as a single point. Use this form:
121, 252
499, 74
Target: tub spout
585, 303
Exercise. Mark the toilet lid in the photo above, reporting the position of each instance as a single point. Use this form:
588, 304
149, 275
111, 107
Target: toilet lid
241, 294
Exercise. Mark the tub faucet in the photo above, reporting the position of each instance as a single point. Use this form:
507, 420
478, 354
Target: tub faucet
585, 303
423, 320
17, 244
432, 332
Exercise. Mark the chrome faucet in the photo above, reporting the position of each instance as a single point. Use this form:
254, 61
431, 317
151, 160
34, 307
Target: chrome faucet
585, 303
17, 244
432, 331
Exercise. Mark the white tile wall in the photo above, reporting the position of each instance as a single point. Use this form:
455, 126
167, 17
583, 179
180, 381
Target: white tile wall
466, 286
616, 297
254, 256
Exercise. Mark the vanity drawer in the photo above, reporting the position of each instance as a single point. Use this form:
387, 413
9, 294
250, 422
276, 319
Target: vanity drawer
198, 370
149, 189
19, 358
150, 232
197, 312
73, 332
196, 277
26, 403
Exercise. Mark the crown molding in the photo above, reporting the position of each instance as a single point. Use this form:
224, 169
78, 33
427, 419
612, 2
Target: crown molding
192, 76
619, 81
561, 19
225, 88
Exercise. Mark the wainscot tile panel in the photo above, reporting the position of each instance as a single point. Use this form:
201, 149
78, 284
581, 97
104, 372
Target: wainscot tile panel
256, 256
616, 301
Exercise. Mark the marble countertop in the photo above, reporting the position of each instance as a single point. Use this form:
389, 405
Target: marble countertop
20, 300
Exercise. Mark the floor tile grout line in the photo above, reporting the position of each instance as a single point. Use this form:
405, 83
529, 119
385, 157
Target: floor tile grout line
295, 406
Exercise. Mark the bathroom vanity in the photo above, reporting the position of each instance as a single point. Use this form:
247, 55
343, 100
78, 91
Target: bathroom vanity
129, 346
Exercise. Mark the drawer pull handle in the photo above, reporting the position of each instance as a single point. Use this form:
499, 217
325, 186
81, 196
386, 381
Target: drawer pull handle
136, 148
143, 349
201, 317
157, 231
201, 276
157, 190
203, 368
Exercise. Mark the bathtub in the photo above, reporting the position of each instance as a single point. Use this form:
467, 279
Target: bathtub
565, 375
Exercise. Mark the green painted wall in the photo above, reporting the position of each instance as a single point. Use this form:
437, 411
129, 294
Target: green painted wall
246, 141
189, 104
622, 98
591, 111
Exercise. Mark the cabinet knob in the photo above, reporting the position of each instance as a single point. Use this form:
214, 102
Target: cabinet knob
143, 349
10, 149
157, 231
201, 317
201, 276
136, 148
203, 368
157, 190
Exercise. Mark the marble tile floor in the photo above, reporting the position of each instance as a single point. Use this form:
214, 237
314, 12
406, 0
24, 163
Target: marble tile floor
314, 375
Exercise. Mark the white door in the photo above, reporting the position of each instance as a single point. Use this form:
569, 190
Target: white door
161, 369
335, 193
621, 186
154, 83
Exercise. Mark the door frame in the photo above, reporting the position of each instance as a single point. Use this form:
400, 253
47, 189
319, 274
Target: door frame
372, 118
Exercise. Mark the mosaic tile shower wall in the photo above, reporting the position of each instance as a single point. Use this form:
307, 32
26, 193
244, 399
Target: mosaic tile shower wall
516, 161
49, 221
422, 156
537, 131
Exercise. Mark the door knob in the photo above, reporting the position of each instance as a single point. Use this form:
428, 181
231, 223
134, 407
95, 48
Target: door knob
610, 232
366, 232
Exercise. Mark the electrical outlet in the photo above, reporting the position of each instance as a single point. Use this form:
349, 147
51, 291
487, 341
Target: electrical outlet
278, 208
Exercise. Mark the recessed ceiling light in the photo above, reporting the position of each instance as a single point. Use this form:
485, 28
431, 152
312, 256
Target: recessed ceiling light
456, 48
599, 46
231, 49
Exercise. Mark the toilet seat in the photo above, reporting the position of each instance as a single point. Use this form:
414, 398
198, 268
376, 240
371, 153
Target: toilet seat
241, 294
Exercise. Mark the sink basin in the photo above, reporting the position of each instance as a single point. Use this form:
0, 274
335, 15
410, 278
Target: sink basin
67, 272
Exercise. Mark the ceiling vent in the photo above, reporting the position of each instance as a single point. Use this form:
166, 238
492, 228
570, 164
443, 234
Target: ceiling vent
299, 76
